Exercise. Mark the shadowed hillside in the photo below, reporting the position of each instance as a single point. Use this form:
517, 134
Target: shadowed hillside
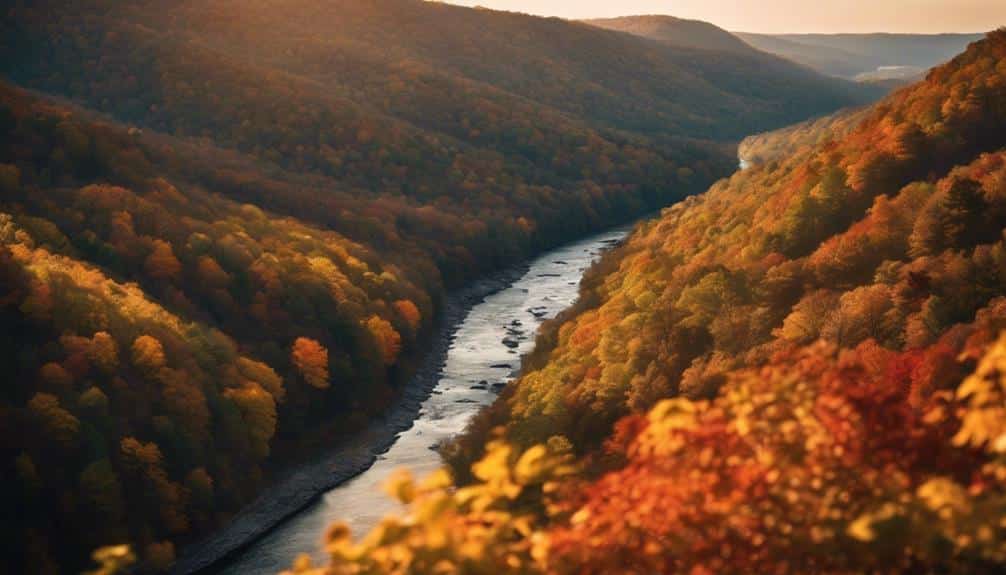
453, 71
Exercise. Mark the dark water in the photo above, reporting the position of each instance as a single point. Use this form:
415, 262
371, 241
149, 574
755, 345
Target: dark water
486, 348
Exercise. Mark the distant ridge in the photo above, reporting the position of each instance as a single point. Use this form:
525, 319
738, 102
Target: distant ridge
848, 55
676, 32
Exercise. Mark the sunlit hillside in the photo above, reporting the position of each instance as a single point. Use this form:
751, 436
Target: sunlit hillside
798, 371
677, 32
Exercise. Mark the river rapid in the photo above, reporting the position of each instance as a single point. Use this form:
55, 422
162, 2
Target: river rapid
484, 355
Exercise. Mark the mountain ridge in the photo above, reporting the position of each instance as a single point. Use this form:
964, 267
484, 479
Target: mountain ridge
675, 31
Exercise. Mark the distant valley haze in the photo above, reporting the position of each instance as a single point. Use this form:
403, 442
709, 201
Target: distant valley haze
785, 16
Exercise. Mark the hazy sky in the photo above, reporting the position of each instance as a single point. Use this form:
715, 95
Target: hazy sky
777, 16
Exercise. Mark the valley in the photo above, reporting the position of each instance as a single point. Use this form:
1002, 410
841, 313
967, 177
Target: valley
620, 294
483, 353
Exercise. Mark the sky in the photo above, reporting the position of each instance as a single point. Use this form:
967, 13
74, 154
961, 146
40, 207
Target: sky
781, 16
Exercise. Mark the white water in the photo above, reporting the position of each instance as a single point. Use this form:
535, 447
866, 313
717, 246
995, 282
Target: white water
477, 354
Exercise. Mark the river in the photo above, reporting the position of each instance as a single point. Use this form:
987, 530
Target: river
485, 353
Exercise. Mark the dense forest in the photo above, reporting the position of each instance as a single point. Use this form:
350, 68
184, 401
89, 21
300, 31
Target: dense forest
226, 228
298, 81
798, 371
168, 342
778, 144
162, 342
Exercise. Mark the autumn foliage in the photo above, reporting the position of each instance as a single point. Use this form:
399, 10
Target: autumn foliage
889, 231
817, 463
226, 245
800, 371
311, 359
232, 253
198, 327
145, 295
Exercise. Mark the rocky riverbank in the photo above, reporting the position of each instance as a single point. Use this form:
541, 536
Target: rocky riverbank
301, 486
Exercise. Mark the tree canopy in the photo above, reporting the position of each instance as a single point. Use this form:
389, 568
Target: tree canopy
798, 371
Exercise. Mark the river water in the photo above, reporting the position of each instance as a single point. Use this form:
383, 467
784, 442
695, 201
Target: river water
484, 355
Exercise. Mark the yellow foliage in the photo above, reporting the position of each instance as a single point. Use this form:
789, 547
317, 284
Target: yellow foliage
148, 354
112, 560
263, 375
104, 352
478, 529
388, 340
258, 408
984, 422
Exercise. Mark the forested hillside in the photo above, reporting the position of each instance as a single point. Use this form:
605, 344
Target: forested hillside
163, 343
712, 42
676, 32
414, 84
226, 227
800, 370
778, 144
730, 276
168, 343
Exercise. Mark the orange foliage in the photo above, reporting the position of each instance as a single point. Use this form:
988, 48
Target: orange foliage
162, 264
410, 313
104, 352
148, 354
311, 359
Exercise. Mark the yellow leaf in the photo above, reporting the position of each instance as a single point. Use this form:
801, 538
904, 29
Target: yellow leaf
530, 464
494, 465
